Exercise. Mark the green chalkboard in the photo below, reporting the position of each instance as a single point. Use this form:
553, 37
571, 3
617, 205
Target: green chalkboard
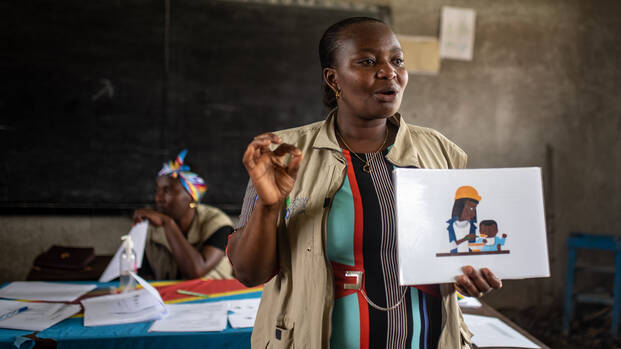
96, 95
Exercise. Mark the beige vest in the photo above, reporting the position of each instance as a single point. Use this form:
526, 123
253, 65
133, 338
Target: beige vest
207, 221
296, 306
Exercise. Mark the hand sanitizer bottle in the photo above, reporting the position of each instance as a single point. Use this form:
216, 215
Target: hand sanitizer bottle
128, 263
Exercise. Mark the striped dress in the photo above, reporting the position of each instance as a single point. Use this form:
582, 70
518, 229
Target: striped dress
362, 235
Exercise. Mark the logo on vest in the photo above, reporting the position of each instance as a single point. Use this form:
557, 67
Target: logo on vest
298, 205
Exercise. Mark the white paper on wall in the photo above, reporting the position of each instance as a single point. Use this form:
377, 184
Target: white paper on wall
436, 236
457, 33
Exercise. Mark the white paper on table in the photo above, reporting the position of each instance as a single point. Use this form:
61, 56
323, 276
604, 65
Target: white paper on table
38, 317
469, 302
493, 332
135, 306
147, 286
512, 197
193, 317
243, 312
244, 305
242, 320
457, 33
138, 234
45, 291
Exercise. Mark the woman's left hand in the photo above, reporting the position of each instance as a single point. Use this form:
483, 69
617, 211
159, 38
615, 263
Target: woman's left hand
475, 283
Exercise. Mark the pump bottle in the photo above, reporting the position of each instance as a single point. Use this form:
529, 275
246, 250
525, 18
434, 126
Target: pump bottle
128, 263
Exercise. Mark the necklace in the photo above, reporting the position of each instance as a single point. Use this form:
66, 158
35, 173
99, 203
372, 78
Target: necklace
367, 163
394, 306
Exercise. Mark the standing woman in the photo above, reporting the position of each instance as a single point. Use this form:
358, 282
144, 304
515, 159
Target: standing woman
185, 239
318, 219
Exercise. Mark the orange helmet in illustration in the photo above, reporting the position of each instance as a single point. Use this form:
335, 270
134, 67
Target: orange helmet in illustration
467, 192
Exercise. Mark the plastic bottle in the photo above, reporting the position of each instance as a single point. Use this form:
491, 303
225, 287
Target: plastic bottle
128, 263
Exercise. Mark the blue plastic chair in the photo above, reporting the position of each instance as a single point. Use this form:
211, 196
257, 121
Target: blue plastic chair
596, 242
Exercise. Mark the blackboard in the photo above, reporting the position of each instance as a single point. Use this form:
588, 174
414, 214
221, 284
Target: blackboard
96, 95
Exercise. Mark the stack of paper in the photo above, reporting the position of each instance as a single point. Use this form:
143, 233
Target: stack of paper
37, 316
135, 306
193, 317
210, 316
45, 291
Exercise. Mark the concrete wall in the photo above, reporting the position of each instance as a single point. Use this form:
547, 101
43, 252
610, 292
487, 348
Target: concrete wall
542, 90
22, 238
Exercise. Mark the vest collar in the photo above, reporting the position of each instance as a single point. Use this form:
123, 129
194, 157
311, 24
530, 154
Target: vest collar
326, 138
402, 153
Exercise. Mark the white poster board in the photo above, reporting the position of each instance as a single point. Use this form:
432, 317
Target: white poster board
437, 233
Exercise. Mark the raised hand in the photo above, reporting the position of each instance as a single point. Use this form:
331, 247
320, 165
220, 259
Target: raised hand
272, 180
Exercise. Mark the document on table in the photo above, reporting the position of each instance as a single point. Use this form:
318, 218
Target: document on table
37, 317
209, 316
243, 312
141, 305
138, 234
193, 317
493, 332
45, 291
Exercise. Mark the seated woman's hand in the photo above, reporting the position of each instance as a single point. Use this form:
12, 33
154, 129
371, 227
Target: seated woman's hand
475, 283
156, 218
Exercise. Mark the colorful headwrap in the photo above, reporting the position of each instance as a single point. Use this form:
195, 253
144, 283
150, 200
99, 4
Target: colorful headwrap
193, 183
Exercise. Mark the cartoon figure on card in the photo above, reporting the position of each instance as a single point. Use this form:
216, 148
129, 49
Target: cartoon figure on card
462, 228
489, 234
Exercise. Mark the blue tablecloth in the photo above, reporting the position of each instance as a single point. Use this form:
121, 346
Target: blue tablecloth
71, 333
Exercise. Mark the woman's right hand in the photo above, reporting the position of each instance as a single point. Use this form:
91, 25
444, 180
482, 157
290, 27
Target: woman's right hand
156, 218
272, 180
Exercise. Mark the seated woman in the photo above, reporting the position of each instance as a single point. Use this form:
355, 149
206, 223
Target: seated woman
185, 240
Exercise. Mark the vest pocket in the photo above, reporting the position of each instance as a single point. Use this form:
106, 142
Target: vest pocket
281, 338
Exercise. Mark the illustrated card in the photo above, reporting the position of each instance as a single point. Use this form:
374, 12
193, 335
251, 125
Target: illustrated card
490, 218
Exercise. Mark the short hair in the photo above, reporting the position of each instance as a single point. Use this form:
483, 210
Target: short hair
488, 222
329, 43
458, 206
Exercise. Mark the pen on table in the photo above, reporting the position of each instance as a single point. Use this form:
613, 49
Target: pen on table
12, 313
190, 293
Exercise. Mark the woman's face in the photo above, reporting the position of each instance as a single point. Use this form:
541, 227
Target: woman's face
469, 211
369, 71
170, 197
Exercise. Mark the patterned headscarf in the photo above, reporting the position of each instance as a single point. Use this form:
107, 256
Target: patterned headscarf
193, 183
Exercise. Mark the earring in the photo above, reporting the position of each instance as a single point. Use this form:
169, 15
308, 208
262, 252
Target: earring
337, 93
192, 205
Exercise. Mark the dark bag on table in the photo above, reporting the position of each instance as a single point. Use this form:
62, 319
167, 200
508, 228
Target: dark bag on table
64, 257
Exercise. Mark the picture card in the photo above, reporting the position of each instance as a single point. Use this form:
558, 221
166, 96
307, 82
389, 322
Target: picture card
447, 219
